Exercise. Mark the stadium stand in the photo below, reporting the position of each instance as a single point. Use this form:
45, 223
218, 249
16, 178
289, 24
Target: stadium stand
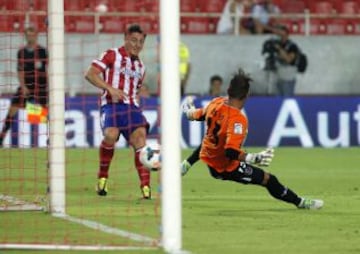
198, 16
292, 6
197, 25
79, 24
11, 23
212, 6
323, 7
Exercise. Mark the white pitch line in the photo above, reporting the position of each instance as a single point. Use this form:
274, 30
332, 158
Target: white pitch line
69, 247
110, 230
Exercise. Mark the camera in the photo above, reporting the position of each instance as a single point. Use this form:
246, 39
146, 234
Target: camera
270, 52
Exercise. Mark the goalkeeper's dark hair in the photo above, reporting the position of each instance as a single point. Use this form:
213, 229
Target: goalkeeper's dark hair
135, 28
239, 85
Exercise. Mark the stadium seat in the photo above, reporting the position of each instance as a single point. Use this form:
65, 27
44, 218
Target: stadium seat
211, 5
11, 23
18, 5
190, 25
79, 24
322, 7
293, 6
112, 24
189, 5
23, 5
295, 26
149, 24
78, 5
116, 24
38, 5
349, 7
341, 27
152, 6
318, 26
40, 22
127, 6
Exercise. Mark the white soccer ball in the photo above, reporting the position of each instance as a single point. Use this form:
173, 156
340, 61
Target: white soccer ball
150, 158
101, 8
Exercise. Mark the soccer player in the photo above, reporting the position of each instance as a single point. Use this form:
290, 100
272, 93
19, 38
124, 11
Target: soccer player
119, 72
227, 128
32, 62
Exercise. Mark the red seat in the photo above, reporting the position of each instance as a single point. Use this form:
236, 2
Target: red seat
212, 5
349, 7
3, 5
201, 25
112, 24
293, 6
18, 5
38, 5
189, 6
79, 24
77, 5
11, 23
150, 25
341, 27
127, 5
295, 26
318, 26
323, 7
40, 22
152, 6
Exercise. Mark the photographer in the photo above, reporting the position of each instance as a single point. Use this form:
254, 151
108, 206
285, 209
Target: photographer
280, 55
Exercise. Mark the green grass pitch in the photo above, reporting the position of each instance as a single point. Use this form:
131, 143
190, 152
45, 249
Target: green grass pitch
218, 216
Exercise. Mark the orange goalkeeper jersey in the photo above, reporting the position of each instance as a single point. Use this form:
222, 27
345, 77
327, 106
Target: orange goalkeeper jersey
227, 127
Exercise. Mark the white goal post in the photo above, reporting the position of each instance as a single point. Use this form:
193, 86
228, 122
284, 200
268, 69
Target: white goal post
56, 106
170, 132
171, 221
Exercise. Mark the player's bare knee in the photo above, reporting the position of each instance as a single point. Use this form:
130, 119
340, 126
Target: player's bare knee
111, 135
138, 138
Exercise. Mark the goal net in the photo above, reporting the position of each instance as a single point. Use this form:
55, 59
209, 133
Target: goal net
122, 219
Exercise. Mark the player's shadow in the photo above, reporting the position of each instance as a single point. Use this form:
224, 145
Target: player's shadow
252, 212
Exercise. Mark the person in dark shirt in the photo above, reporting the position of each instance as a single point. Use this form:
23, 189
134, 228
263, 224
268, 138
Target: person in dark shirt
280, 53
32, 75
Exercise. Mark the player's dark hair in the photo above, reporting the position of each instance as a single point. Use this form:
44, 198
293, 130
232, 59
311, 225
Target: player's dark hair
239, 85
216, 78
135, 28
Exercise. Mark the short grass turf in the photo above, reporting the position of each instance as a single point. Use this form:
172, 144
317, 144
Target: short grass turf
218, 216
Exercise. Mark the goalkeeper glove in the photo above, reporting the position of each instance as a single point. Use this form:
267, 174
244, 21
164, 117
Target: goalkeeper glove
188, 107
263, 158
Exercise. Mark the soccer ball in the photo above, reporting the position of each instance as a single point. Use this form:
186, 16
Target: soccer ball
150, 158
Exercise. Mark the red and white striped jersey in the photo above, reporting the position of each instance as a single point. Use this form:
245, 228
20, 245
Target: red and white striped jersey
121, 71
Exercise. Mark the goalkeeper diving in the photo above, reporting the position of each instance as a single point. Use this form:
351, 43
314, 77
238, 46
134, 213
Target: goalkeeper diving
221, 148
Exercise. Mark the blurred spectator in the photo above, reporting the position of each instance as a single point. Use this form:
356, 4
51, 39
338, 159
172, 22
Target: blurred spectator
232, 8
215, 86
280, 55
32, 60
261, 12
185, 66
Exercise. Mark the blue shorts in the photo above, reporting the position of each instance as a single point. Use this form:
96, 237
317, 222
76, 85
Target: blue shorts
123, 116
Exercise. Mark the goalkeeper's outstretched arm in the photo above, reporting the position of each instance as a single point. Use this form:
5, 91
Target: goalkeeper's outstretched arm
191, 112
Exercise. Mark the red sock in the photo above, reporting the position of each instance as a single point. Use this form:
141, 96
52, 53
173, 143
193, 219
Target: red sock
144, 173
106, 153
